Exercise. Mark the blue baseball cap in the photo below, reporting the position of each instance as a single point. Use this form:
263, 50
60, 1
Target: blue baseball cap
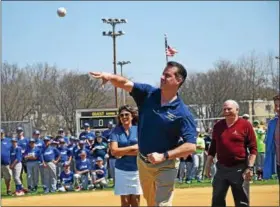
98, 133
32, 140
99, 159
14, 139
72, 138
86, 125
19, 129
66, 164
36, 132
46, 138
81, 142
60, 130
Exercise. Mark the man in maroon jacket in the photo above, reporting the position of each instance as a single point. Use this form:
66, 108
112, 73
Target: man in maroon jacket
234, 142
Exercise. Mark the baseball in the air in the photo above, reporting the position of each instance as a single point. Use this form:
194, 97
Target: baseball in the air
61, 11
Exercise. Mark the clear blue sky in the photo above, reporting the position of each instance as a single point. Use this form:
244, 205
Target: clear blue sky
202, 32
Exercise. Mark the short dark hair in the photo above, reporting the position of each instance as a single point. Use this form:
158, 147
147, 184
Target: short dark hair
181, 70
131, 110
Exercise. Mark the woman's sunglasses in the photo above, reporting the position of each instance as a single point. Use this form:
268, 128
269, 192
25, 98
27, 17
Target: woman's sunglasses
124, 115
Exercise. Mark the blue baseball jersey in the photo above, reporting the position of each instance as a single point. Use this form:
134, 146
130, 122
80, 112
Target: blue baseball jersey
23, 143
102, 174
126, 162
39, 143
100, 149
82, 165
16, 154
65, 153
107, 133
49, 154
71, 148
6, 151
160, 127
35, 152
87, 134
90, 155
66, 178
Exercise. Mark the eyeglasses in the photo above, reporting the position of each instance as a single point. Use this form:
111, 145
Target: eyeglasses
124, 115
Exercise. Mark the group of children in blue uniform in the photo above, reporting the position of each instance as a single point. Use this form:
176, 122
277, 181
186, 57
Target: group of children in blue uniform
63, 163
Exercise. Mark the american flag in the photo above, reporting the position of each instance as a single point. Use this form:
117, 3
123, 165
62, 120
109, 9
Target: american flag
169, 51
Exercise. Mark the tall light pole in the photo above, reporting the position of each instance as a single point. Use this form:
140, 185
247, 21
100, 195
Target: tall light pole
114, 34
122, 63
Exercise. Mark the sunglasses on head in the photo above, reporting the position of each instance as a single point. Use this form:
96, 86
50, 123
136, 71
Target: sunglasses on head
124, 115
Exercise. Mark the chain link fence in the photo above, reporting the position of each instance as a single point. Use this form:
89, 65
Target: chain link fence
11, 126
208, 123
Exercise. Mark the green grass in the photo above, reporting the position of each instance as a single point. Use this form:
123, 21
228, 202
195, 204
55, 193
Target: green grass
194, 184
207, 183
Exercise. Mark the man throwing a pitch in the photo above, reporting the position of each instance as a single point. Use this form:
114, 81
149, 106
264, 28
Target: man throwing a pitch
164, 119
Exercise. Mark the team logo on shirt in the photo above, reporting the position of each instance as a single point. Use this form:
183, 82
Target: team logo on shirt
170, 116
235, 132
48, 153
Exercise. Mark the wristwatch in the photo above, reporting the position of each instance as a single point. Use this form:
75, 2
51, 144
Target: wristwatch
166, 155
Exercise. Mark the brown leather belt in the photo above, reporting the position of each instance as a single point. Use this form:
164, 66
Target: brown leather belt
144, 158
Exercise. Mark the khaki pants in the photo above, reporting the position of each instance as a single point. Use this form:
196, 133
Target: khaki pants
157, 181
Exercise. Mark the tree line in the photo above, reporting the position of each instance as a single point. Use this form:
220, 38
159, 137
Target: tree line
250, 77
49, 95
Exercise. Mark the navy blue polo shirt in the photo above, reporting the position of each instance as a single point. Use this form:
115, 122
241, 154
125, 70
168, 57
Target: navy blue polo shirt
125, 163
160, 127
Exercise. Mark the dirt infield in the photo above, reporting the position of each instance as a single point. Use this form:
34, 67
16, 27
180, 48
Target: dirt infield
260, 196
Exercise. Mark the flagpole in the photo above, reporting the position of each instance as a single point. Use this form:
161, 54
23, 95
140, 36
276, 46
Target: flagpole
166, 46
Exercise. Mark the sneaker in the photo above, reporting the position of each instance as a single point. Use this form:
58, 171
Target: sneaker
35, 189
78, 188
188, 181
9, 192
19, 193
90, 186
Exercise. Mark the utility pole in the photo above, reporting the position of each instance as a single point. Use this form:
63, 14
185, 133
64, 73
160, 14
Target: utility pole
121, 64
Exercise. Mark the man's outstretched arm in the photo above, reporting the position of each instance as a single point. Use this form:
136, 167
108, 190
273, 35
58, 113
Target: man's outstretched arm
116, 80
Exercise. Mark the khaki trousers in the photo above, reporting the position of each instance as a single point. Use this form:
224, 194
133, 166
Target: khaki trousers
157, 181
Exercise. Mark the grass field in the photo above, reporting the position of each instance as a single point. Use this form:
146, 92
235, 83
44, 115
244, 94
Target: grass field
205, 183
